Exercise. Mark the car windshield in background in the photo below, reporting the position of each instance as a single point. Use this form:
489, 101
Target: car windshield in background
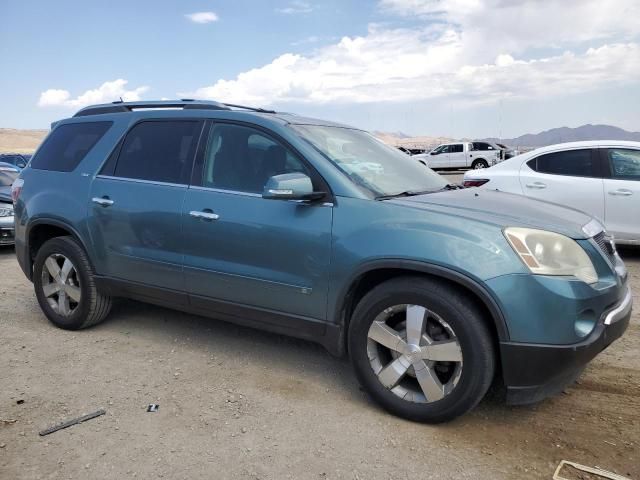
7, 177
379, 169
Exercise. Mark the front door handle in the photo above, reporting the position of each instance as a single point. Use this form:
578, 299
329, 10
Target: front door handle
204, 215
536, 185
623, 192
102, 201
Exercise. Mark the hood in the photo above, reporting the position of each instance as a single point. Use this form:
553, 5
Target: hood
502, 210
5, 194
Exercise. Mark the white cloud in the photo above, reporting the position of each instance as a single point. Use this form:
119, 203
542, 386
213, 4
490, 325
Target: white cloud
296, 6
516, 25
53, 97
107, 92
474, 50
202, 17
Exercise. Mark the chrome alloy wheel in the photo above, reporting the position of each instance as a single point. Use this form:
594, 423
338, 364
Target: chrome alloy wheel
61, 285
414, 353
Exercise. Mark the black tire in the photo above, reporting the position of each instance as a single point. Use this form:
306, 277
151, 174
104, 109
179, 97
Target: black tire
451, 305
480, 163
93, 307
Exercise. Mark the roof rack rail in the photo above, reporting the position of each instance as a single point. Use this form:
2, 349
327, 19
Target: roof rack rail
253, 109
120, 106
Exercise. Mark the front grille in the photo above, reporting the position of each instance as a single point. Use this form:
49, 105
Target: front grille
606, 246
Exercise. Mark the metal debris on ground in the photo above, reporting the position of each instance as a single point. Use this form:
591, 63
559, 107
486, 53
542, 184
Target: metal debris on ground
583, 468
72, 422
153, 407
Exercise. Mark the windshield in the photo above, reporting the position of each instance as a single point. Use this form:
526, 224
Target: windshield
380, 170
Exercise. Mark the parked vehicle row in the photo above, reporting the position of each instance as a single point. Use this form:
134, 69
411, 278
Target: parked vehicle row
601, 178
8, 174
317, 230
18, 160
453, 156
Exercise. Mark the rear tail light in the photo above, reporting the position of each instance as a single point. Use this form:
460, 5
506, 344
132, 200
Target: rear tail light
16, 188
475, 183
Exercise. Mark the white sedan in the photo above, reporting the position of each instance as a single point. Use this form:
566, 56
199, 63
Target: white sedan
600, 177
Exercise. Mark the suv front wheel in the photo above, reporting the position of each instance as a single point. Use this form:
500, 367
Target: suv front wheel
64, 285
421, 349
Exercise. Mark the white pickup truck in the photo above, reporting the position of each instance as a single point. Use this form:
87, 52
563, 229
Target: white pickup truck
474, 155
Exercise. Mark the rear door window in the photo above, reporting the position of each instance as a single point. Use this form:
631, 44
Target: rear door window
457, 148
160, 151
67, 145
624, 163
575, 163
482, 146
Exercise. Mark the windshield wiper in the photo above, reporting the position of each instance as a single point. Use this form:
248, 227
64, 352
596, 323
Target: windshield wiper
405, 193
411, 193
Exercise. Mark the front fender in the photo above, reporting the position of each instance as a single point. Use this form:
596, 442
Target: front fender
369, 234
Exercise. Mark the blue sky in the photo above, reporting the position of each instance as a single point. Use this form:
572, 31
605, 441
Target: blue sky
469, 68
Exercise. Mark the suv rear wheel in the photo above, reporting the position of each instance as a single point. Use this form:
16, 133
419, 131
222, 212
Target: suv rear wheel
421, 349
64, 285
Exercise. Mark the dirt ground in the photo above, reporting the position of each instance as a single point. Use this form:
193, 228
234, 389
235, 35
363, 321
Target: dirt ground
240, 403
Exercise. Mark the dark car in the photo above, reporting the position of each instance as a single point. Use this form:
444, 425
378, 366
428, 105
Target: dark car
508, 152
318, 230
8, 174
411, 151
19, 160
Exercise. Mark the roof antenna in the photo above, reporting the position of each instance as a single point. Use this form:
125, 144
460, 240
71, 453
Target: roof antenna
121, 100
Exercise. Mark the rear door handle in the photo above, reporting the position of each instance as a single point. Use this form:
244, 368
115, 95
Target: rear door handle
536, 185
104, 201
623, 192
204, 215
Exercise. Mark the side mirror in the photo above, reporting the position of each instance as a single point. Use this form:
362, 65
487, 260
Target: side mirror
290, 186
434, 153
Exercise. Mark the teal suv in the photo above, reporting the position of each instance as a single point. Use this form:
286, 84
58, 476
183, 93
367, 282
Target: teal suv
320, 231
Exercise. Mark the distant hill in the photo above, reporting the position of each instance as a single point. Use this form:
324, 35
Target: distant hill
566, 134
399, 139
20, 141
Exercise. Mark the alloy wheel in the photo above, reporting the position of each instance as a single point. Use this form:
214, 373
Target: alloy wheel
61, 285
414, 353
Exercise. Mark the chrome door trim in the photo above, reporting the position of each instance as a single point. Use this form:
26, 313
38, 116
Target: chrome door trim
138, 180
220, 190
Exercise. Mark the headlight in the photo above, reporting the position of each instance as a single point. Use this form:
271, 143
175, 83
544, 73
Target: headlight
6, 210
548, 253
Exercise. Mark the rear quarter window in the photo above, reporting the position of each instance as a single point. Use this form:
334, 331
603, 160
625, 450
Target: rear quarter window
67, 146
575, 163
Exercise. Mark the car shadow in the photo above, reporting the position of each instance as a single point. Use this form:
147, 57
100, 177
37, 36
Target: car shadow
628, 252
234, 342
231, 344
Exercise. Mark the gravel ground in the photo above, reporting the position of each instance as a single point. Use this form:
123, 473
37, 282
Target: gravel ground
240, 403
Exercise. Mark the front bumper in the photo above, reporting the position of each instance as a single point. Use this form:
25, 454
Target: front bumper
532, 372
7, 232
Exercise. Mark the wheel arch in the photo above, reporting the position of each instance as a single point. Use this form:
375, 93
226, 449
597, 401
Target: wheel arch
480, 159
42, 229
373, 273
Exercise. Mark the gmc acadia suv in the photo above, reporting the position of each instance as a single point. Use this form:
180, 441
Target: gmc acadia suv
318, 230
